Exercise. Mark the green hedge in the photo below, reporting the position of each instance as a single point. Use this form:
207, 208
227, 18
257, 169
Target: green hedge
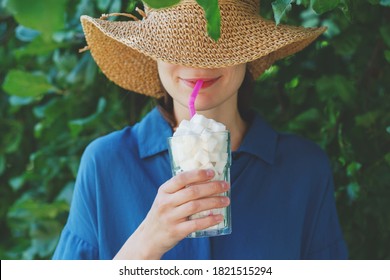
54, 101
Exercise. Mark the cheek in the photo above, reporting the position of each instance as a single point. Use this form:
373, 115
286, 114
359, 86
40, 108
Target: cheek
163, 71
166, 74
236, 77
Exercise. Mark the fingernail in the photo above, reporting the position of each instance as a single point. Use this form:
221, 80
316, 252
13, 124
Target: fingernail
210, 173
225, 185
224, 200
218, 218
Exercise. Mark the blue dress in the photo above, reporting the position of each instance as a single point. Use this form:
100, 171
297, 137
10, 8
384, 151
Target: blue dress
282, 198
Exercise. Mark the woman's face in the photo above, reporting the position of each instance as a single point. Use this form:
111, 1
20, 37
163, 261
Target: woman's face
220, 85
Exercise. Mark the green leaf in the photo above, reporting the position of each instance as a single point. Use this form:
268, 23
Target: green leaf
3, 28
103, 4
40, 221
387, 158
353, 190
17, 101
270, 73
213, 17
385, 3
368, 119
77, 126
309, 18
37, 47
336, 87
385, 33
25, 84
84, 7
353, 168
158, 4
38, 129
374, 2
25, 34
322, 6
42, 15
12, 133
64, 36
67, 192
333, 29
16, 183
30, 209
347, 43
387, 55
146, 109
115, 6
131, 5
304, 119
2, 164
305, 3
293, 83
280, 8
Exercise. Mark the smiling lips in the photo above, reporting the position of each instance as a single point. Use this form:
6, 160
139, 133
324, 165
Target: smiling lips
206, 82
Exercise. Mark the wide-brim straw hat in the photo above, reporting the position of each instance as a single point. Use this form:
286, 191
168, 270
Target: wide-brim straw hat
126, 51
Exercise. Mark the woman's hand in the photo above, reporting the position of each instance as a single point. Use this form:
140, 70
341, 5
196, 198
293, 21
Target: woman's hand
167, 221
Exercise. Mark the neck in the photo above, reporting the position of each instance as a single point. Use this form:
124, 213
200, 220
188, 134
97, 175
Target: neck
226, 113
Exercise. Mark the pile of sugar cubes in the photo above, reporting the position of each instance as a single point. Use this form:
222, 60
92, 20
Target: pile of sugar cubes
201, 143
199, 146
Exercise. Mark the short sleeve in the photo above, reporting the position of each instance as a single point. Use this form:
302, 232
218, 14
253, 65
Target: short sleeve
327, 242
72, 247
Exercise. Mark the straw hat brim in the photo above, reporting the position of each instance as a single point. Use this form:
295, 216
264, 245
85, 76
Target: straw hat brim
126, 51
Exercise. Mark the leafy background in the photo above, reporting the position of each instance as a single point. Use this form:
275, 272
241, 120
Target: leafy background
54, 101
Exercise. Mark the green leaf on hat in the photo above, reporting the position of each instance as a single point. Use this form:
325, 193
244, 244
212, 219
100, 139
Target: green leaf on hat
157, 4
211, 8
25, 84
280, 8
42, 15
213, 17
322, 6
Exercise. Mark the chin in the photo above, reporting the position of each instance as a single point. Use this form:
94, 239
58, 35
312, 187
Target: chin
205, 106
206, 109
208, 104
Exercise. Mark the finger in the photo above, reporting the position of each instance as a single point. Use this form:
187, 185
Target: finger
199, 224
186, 178
197, 191
199, 205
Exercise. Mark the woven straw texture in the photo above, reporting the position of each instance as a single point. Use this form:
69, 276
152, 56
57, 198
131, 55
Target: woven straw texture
126, 51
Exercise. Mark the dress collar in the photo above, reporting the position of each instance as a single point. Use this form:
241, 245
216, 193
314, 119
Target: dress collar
260, 140
153, 132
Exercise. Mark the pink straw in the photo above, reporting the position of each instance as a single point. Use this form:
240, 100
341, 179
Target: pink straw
194, 94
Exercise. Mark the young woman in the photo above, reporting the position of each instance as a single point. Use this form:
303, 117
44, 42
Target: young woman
127, 205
